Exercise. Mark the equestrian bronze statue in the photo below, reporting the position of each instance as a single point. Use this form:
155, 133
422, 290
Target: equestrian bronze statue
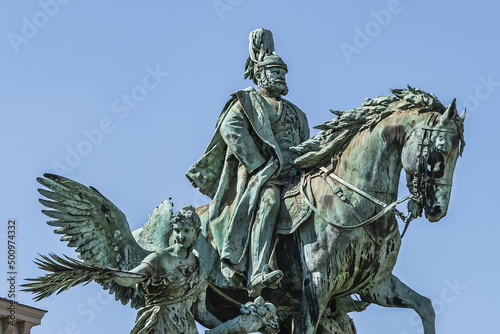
301, 223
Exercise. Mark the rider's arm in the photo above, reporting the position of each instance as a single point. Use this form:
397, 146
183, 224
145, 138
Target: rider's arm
235, 130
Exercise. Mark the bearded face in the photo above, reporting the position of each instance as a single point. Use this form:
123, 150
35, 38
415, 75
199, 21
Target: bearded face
272, 79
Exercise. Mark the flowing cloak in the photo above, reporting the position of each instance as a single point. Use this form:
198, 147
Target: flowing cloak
169, 303
236, 164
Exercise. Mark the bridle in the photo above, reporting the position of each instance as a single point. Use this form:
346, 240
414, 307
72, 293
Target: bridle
421, 179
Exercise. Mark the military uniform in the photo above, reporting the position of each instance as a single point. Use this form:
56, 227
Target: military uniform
248, 152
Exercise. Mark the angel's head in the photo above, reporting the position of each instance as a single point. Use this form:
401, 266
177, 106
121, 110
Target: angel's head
186, 226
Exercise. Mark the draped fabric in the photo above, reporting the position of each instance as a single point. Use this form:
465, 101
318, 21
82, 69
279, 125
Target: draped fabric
241, 157
169, 302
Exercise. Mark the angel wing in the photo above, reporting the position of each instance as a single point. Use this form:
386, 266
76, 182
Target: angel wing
97, 229
155, 234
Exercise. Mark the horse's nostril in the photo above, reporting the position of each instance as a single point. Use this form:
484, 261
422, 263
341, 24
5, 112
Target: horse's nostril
433, 211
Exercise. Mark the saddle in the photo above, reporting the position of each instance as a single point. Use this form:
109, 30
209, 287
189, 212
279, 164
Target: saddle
294, 209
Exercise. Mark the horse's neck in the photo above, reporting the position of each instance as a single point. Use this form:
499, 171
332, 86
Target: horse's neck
371, 164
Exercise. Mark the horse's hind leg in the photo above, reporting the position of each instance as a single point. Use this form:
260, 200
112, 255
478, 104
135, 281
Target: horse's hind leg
393, 293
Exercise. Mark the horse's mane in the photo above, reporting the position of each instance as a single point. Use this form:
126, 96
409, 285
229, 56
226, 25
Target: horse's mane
336, 134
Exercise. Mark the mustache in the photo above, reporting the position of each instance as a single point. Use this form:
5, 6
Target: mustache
277, 85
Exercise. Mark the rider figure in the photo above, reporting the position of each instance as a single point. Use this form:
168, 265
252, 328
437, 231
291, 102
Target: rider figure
246, 165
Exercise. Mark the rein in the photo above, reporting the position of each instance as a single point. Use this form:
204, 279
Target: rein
421, 178
386, 207
336, 189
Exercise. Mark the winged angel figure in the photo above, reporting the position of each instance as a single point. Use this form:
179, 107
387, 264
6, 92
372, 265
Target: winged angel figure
166, 282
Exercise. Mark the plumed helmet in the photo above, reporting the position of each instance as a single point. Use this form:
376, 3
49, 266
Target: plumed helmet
272, 61
261, 53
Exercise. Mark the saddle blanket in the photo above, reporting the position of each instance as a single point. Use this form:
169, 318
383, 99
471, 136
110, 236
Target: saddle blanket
294, 210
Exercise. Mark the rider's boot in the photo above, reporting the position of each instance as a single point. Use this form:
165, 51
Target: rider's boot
261, 275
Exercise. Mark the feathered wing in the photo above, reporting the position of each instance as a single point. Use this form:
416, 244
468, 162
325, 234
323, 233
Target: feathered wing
97, 229
156, 233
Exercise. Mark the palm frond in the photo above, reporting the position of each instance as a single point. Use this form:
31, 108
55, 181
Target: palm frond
65, 273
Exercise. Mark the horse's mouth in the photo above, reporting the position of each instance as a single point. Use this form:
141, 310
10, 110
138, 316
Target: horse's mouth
434, 214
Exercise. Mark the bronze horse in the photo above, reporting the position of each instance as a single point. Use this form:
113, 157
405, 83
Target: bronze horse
350, 241
337, 234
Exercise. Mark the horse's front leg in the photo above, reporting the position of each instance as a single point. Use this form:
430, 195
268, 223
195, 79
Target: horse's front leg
394, 293
312, 305
319, 273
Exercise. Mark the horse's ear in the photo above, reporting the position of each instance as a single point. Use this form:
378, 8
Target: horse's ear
462, 115
450, 112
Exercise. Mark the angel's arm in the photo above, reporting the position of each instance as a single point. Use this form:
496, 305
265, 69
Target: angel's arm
143, 268
147, 267
202, 315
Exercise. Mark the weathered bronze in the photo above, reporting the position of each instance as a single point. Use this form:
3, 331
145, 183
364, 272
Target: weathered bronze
168, 285
303, 223
247, 165
337, 232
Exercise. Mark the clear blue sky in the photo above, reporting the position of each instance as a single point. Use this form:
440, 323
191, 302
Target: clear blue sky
67, 67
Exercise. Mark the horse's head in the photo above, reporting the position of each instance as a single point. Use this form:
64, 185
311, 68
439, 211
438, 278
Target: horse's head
430, 135
429, 156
